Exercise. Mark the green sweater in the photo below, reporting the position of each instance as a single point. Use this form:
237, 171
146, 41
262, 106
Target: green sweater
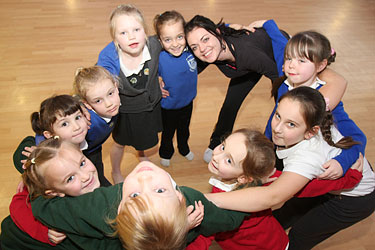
85, 218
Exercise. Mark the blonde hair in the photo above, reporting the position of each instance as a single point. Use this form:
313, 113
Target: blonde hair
125, 9
141, 227
35, 182
86, 78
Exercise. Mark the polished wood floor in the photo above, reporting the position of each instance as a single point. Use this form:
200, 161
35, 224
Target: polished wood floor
42, 42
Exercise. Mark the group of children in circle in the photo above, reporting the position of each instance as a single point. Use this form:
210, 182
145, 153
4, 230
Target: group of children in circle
121, 96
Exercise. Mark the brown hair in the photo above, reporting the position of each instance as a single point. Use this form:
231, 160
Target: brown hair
311, 45
260, 158
168, 16
86, 78
62, 105
313, 110
140, 227
31, 176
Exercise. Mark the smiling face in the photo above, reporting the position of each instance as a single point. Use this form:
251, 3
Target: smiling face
226, 158
70, 173
288, 124
205, 46
103, 97
154, 185
172, 37
300, 71
129, 34
72, 128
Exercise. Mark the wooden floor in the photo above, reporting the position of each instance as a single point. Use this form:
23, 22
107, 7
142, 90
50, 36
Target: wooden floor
42, 42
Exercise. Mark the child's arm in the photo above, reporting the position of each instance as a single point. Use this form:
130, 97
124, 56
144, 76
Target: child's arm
86, 215
22, 216
342, 162
260, 198
108, 58
334, 89
215, 219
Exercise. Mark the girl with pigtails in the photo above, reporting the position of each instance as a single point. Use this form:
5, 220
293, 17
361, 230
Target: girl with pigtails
305, 137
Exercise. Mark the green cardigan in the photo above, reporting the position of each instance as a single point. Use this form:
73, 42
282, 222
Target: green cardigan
85, 218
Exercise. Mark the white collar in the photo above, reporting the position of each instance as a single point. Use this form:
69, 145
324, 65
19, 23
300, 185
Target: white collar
145, 57
314, 85
83, 145
221, 185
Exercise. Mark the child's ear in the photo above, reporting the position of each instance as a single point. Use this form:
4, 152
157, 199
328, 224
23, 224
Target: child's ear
311, 132
179, 195
322, 65
54, 193
242, 179
47, 134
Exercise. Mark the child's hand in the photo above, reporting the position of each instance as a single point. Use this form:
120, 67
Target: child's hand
270, 178
195, 218
333, 170
20, 187
358, 165
86, 113
256, 24
55, 236
27, 151
164, 93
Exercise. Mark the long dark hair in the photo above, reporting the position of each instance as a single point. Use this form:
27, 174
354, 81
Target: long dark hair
218, 30
313, 109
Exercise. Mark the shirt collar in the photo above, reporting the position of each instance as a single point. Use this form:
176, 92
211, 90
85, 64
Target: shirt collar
314, 85
145, 57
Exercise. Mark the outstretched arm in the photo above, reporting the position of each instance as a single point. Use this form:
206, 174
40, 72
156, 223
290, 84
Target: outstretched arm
259, 198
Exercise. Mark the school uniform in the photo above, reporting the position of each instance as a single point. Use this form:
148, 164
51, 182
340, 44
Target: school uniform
85, 217
180, 78
328, 214
139, 119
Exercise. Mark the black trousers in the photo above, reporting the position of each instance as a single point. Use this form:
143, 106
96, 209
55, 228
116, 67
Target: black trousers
96, 158
175, 120
238, 89
323, 217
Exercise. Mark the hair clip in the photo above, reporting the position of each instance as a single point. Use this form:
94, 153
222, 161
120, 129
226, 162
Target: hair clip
33, 160
56, 137
332, 51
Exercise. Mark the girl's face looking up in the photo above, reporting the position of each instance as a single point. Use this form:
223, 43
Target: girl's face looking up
72, 128
70, 173
204, 45
104, 98
154, 185
172, 37
226, 158
129, 34
288, 124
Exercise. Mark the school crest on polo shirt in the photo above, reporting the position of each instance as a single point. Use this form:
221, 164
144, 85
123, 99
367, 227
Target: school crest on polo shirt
192, 63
